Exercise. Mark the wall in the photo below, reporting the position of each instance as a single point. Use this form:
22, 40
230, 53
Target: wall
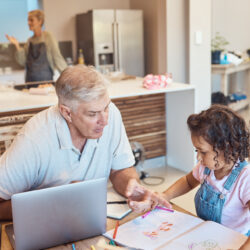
154, 13
177, 39
60, 15
231, 19
199, 52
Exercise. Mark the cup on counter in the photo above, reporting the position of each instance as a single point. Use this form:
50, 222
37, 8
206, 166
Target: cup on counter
8, 70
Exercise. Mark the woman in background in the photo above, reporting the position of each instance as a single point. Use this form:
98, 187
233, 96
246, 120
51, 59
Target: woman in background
41, 54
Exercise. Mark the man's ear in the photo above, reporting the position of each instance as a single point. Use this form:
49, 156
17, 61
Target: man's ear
65, 112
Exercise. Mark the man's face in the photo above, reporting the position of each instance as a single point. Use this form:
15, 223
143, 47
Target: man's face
90, 118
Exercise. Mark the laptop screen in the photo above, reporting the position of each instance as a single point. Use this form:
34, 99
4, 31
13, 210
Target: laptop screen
53, 216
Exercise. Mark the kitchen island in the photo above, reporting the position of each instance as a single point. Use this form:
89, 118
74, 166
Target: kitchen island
155, 118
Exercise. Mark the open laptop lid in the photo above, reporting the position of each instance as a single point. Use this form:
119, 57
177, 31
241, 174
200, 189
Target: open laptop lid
53, 216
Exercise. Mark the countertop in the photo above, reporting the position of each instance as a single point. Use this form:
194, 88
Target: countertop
14, 100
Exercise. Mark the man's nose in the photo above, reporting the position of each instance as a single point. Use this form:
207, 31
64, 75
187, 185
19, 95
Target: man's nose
103, 119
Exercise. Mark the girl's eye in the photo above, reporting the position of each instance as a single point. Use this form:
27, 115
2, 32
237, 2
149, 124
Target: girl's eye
203, 153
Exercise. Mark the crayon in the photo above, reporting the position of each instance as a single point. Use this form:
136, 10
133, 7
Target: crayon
116, 228
164, 208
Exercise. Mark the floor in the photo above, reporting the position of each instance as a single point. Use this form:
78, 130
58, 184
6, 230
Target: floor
170, 175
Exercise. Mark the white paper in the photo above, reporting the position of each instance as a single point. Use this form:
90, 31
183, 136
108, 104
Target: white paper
154, 230
208, 235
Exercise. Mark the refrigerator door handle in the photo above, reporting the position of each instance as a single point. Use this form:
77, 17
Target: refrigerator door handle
118, 51
114, 35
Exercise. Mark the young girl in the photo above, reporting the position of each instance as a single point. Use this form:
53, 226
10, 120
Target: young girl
221, 140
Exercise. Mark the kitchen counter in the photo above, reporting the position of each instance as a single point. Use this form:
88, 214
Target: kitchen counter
11, 78
156, 118
15, 100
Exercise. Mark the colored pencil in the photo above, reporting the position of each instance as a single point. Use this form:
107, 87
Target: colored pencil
116, 228
147, 213
73, 246
92, 247
111, 242
164, 208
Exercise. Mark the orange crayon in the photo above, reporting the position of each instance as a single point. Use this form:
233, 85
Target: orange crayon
116, 228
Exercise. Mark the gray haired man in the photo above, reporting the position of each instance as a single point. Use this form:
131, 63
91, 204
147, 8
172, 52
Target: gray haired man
81, 138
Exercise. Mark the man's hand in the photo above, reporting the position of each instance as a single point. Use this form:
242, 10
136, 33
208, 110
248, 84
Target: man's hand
141, 199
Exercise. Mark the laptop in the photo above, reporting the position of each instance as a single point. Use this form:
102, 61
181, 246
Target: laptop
53, 216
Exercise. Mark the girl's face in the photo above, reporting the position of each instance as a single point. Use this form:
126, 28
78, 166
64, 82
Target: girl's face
206, 154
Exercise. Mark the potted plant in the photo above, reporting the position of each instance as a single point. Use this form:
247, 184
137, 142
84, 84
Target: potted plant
218, 45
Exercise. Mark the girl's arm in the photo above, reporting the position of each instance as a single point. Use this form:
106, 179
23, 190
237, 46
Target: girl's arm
182, 186
246, 245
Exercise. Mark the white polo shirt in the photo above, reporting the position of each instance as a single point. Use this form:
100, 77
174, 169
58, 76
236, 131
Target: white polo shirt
42, 154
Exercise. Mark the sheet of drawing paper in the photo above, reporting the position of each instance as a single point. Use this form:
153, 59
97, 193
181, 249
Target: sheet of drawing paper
154, 230
208, 235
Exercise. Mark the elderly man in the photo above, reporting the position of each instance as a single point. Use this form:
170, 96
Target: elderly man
81, 138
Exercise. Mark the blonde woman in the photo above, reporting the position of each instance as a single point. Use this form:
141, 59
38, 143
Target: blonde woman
41, 54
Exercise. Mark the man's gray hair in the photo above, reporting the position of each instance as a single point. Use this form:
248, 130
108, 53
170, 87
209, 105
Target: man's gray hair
80, 83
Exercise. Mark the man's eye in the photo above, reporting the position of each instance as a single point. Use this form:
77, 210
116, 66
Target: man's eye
92, 114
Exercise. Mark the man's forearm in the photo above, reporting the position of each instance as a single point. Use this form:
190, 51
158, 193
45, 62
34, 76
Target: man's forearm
120, 179
5, 210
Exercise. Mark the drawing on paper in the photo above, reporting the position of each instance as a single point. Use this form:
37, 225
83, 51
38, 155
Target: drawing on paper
164, 227
204, 245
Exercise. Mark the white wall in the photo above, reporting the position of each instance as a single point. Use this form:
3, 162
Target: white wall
177, 39
231, 18
199, 54
60, 15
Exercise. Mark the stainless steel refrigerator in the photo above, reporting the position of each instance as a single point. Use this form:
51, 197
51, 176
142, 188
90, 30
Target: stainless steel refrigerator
112, 40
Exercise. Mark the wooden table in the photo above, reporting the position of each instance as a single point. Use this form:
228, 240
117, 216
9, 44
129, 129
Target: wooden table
83, 244
226, 69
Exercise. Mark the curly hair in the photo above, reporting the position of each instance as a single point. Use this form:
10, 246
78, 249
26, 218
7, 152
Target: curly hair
224, 130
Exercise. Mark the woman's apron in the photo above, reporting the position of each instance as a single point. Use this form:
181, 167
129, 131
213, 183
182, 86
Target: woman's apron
37, 64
